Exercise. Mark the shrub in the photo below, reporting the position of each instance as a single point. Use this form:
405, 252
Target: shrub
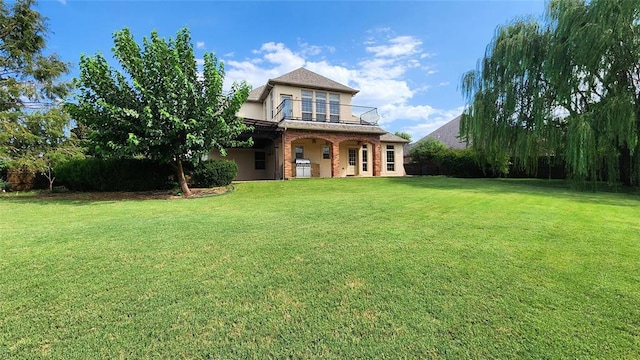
4, 185
427, 150
211, 173
93, 174
459, 163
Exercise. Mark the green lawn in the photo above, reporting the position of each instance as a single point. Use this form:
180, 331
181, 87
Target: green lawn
335, 268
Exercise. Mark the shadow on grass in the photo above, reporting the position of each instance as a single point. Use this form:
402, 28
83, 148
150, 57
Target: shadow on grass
538, 187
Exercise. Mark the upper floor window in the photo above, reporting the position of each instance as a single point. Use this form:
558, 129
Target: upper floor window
307, 105
334, 107
391, 158
321, 106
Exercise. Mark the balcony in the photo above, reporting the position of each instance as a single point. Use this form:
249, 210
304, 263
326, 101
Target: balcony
326, 112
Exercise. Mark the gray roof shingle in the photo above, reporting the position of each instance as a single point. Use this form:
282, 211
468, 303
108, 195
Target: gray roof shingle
389, 137
307, 78
448, 134
255, 94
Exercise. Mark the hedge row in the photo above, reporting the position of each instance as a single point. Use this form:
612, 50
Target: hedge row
449, 162
93, 174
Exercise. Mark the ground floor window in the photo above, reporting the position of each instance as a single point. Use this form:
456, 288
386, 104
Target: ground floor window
299, 152
326, 153
364, 158
391, 158
260, 160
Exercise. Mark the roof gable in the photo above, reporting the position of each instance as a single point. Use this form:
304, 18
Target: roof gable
307, 78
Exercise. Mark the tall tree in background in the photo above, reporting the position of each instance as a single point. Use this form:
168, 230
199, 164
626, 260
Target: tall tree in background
567, 87
32, 125
163, 108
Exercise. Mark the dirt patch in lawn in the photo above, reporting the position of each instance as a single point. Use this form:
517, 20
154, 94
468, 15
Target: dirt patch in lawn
122, 195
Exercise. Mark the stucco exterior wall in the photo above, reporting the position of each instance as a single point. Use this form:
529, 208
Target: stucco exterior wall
398, 160
251, 110
346, 111
313, 152
245, 159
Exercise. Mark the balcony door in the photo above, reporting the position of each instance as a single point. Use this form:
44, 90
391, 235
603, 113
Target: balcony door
287, 106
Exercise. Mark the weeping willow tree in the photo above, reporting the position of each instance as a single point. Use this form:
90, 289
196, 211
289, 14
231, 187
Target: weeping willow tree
566, 87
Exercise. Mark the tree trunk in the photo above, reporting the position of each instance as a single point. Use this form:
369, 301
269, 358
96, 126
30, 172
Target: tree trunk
182, 180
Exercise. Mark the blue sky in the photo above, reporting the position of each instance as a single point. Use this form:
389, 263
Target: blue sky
406, 58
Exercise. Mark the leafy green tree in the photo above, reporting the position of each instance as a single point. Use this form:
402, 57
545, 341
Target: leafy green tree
39, 141
32, 125
160, 107
566, 87
427, 150
403, 134
28, 77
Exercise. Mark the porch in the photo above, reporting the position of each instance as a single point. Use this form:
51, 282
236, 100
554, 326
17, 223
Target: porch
332, 154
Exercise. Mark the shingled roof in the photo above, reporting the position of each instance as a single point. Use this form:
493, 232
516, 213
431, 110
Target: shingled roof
307, 78
255, 94
448, 134
389, 137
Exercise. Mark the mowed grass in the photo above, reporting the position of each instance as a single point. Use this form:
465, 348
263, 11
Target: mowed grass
336, 268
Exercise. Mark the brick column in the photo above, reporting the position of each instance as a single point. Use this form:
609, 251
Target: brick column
287, 157
377, 154
335, 159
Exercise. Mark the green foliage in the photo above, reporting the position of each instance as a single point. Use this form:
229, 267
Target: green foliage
427, 150
460, 163
160, 107
4, 185
212, 173
566, 86
32, 128
27, 75
403, 134
94, 174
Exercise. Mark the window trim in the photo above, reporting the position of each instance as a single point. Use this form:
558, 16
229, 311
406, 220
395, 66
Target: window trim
326, 155
365, 158
391, 165
257, 161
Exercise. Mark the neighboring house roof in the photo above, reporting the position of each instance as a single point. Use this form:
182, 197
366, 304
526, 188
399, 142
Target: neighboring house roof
448, 134
389, 137
302, 78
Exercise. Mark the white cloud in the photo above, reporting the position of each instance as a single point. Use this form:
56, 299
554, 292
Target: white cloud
63, 2
429, 119
444, 83
200, 44
398, 46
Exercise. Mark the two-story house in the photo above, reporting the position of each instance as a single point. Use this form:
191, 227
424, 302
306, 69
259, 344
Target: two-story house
306, 126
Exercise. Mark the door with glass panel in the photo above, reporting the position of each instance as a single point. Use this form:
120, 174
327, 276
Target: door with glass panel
287, 106
352, 166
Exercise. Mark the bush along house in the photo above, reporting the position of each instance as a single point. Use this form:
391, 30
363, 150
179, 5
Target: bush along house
306, 126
